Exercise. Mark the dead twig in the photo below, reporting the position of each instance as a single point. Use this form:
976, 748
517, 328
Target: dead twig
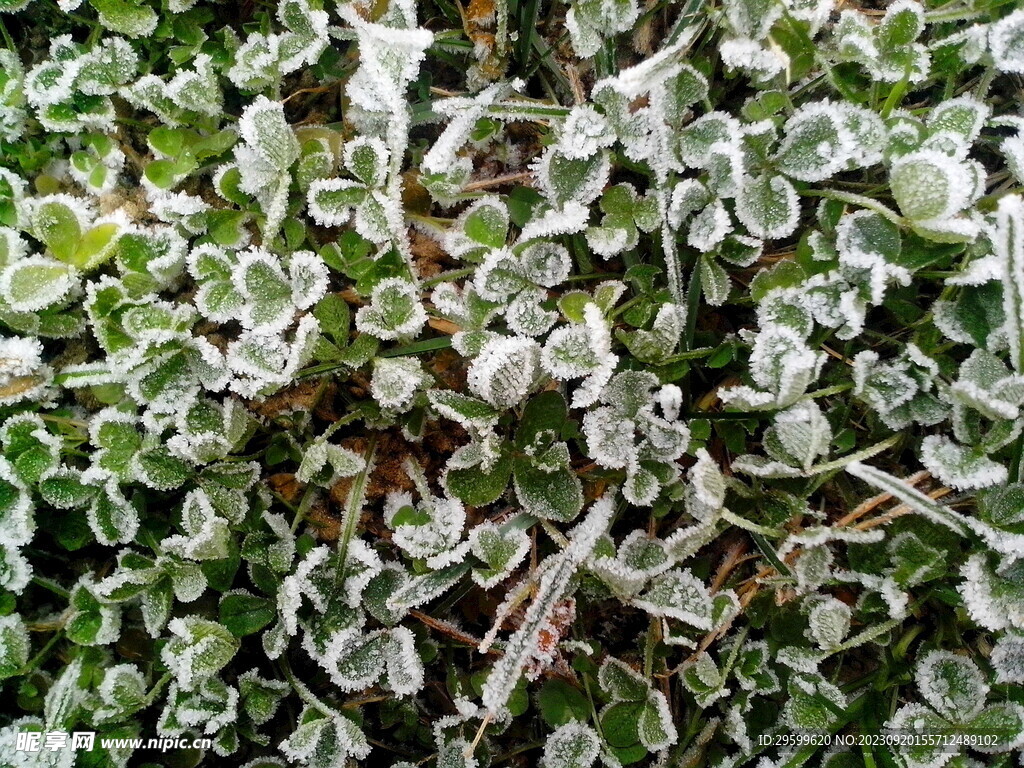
875, 501
450, 630
497, 181
317, 89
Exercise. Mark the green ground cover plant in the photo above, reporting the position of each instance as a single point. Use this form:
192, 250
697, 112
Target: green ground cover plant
516, 383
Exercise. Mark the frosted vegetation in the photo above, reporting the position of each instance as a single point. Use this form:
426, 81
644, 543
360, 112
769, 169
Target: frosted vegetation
573, 383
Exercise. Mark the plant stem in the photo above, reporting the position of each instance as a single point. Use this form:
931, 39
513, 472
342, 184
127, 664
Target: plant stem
1018, 456
353, 506
453, 274
304, 693
866, 453
307, 501
828, 391
895, 97
8, 41
861, 200
38, 659
52, 586
417, 347
157, 687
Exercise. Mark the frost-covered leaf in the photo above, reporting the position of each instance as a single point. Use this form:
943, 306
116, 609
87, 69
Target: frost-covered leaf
955, 691
752, 670
798, 435
1008, 248
621, 681
767, 206
501, 549
31, 449
355, 660
963, 116
678, 594
546, 486
205, 534
782, 365
36, 282
573, 745
544, 264
814, 704
378, 592
466, 410
112, 518
476, 477
198, 650
553, 586
662, 338
14, 645
403, 664
198, 89
960, 466
265, 291
483, 225
332, 201
703, 679
505, 370
158, 468
579, 350
91, 622
709, 227
817, 143
953, 685
394, 311
751, 18
714, 281
323, 740
260, 697
913, 560
454, 753
15, 570
396, 380
126, 17
1006, 42
66, 695
585, 132
589, 22
422, 589
367, 159
695, 143
244, 613
829, 623
264, 128
430, 529
707, 485
1008, 659
565, 179
637, 713
899, 389
123, 692
391, 54
929, 185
